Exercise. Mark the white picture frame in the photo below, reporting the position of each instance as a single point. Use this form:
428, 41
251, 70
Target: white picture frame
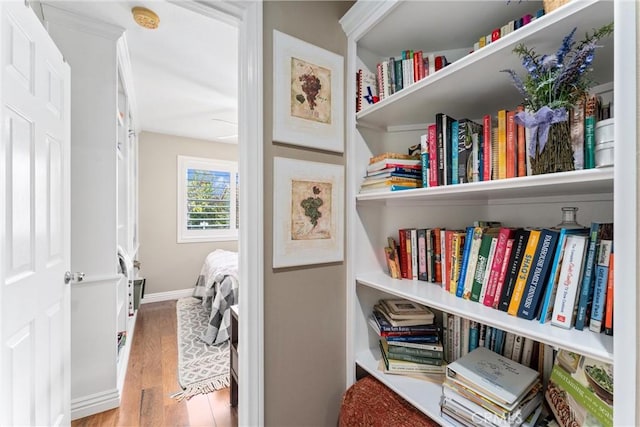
308, 212
308, 94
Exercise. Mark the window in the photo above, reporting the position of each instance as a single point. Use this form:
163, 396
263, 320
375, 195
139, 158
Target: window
207, 200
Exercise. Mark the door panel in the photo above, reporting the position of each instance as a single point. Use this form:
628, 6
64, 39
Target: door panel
34, 226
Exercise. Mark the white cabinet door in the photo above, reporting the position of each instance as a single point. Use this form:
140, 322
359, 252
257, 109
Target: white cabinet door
34, 223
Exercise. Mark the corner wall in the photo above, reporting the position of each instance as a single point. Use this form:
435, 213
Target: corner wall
165, 264
304, 307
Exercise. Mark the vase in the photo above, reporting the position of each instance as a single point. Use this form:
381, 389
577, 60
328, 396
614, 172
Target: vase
557, 155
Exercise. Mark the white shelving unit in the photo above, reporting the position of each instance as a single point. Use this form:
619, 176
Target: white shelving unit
471, 87
103, 204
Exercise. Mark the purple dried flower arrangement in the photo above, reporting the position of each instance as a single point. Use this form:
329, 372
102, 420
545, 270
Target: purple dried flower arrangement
554, 83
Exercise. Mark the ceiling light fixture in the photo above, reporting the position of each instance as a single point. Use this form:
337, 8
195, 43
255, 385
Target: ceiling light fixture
145, 17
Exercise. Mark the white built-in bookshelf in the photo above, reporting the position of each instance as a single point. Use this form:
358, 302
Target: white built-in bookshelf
471, 87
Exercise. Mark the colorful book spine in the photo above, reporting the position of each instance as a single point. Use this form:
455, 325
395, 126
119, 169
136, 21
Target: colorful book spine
448, 245
523, 273
576, 126
586, 289
437, 261
590, 132
608, 312
569, 281
472, 262
456, 256
422, 254
414, 254
485, 279
454, 152
402, 240
496, 266
465, 260
539, 274
503, 273
481, 267
432, 141
511, 145
486, 149
521, 144
441, 153
424, 160
521, 236
596, 322
430, 266
502, 144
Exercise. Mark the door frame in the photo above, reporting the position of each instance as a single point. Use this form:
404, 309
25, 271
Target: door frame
247, 16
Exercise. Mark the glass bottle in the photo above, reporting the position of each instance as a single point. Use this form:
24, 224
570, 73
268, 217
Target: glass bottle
569, 218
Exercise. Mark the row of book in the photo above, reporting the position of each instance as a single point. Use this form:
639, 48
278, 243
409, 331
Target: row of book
394, 74
563, 275
409, 338
509, 27
392, 171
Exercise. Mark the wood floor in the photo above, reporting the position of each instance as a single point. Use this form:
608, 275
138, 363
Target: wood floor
152, 377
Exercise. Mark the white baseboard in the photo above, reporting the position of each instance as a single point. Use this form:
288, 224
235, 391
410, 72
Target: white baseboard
95, 403
167, 296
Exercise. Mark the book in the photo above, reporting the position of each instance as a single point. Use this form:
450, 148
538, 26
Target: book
432, 142
507, 349
549, 297
454, 151
403, 366
403, 254
381, 324
393, 264
499, 379
388, 324
485, 279
436, 346
440, 147
600, 286
539, 275
503, 273
608, 310
431, 339
504, 234
520, 236
414, 254
465, 327
478, 276
424, 160
576, 129
397, 348
472, 261
447, 242
516, 353
367, 89
524, 271
502, 144
422, 254
521, 150
487, 126
404, 309
590, 110
402, 354
511, 145
458, 246
580, 391
485, 410
430, 266
464, 261
598, 229
466, 166
437, 255
393, 162
569, 281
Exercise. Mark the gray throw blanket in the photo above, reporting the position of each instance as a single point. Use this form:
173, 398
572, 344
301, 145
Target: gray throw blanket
217, 286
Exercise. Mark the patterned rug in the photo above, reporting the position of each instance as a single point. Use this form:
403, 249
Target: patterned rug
202, 368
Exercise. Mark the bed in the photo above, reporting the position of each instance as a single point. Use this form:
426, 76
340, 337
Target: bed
217, 286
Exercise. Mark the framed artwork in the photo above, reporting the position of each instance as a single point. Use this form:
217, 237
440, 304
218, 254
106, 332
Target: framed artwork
308, 212
307, 94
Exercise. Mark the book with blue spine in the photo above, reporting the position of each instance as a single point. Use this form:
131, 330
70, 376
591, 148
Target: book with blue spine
596, 322
465, 258
548, 299
454, 152
539, 275
598, 229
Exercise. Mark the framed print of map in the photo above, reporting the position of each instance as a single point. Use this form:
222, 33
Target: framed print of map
308, 212
308, 94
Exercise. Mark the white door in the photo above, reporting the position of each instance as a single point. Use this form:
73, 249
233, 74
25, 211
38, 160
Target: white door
34, 223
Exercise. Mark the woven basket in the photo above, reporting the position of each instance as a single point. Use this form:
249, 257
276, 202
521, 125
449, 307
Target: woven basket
550, 5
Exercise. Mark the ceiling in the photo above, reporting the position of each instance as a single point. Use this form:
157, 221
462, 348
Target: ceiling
185, 72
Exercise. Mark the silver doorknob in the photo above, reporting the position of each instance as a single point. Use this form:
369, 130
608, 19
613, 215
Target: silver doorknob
75, 277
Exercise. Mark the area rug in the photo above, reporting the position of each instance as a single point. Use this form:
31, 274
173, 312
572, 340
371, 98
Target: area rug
202, 368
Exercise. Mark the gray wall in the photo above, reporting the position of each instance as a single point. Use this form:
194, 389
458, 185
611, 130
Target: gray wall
165, 264
304, 307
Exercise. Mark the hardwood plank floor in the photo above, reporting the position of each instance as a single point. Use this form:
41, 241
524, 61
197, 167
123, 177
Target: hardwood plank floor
152, 376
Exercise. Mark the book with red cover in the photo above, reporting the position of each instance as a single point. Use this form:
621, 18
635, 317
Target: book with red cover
437, 254
404, 259
504, 235
608, 310
432, 141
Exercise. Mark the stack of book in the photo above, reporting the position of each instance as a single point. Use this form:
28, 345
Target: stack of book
485, 388
409, 338
392, 172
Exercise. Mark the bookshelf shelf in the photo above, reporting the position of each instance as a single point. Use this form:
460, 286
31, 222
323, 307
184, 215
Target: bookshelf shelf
472, 86
598, 346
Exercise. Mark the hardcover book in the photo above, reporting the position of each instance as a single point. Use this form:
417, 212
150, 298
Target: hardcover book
521, 237
600, 287
504, 234
478, 277
464, 262
466, 131
569, 281
539, 274
399, 309
599, 231
498, 378
524, 271
580, 391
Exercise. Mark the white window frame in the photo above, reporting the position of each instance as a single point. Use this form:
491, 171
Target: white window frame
194, 236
